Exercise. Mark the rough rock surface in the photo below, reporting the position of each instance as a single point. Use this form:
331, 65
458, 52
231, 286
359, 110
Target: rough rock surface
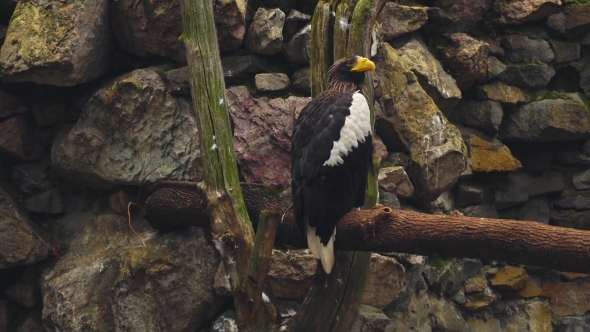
384, 282
302, 80
439, 85
271, 81
262, 134
488, 154
298, 47
19, 243
57, 43
230, 23
17, 140
395, 180
572, 22
501, 92
467, 57
465, 14
238, 67
438, 155
547, 120
483, 115
265, 35
371, 319
522, 11
294, 22
164, 286
148, 28
291, 273
397, 20
565, 52
527, 76
520, 48
126, 130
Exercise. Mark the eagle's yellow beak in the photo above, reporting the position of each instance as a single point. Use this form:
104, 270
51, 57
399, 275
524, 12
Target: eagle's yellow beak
363, 64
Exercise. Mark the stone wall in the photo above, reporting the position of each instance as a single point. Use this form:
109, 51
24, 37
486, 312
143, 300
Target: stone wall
482, 107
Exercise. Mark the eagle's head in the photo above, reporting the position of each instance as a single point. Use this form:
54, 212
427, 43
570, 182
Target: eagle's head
349, 70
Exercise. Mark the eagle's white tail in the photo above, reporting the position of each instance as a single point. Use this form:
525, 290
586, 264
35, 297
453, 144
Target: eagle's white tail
323, 252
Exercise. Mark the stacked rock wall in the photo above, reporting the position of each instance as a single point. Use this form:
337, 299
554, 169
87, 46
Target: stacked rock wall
482, 107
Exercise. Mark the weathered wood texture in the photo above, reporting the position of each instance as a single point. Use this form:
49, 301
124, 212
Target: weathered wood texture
382, 229
227, 211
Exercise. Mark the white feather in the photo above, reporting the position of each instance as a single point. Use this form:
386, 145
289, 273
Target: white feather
313, 242
325, 253
357, 126
328, 254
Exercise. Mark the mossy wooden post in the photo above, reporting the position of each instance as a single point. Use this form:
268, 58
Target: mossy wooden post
339, 28
228, 216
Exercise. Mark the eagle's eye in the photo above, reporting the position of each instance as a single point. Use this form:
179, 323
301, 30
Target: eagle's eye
350, 63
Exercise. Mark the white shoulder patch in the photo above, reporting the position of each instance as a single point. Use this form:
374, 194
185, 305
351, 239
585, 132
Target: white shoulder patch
357, 126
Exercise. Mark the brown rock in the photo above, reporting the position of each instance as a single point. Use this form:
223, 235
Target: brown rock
385, 281
501, 92
149, 28
397, 20
520, 11
17, 140
291, 273
21, 244
265, 35
510, 278
468, 57
395, 180
10, 106
379, 149
475, 284
567, 299
56, 42
262, 134
530, 289
571, 23
488, 154
480, 300
539, 316
271, 81
230, 21
465, 14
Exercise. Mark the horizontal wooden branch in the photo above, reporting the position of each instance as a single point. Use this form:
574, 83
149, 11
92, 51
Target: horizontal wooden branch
383, 229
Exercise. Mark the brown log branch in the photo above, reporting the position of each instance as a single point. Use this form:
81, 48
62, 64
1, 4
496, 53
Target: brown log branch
383, 229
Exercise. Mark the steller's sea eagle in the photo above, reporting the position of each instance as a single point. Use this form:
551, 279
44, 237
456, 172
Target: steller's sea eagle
330, 156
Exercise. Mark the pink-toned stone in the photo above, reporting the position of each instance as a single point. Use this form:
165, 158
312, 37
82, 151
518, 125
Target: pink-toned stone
520, 11
468, 57
262, 135
379, 149
17, 140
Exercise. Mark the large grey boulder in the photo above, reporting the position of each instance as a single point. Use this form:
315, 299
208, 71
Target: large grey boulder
527, 76
58, 43
20, 244
265, 35
407, 119
519, 48
439, 85
127, 129
483, 115
108, 281
547, 120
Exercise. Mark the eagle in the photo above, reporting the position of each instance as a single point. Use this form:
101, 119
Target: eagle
331, 152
